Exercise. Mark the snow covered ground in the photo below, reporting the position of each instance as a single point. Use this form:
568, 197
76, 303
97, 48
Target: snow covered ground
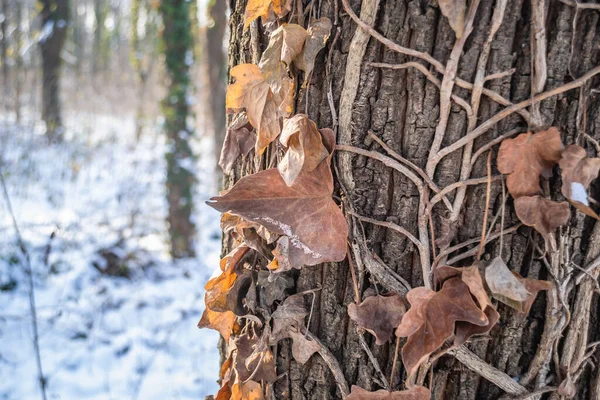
101, 337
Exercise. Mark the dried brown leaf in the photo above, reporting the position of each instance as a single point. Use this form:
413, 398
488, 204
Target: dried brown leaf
414, 393
285, 43
533, 286
302, 347
542, 214
454, 10
304, 212
223, 322
578, 172
451, 304
238, 142
253, 359
318, 33
262, 8
251, 92
305, 149
503, 283
274, 286
379, 315
528, 156
415, 316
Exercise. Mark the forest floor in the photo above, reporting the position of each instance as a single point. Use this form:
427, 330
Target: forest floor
90, 209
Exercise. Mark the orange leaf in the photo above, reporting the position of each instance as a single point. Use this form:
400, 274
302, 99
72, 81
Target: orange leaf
305, 147
414, 393
380, 315
304, 212
247, 391
542, 214
578, 172
223, 322
285, 43
526, 157
261, 9
252, 93
451, 304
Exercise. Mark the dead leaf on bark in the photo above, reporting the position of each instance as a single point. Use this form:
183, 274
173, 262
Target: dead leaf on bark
305, 149
578, 172
238, 227
448, 231
252, 359
318, 33
274, 286
379, 315
533, 286
285, 43
472, 278
222, 291
223, 322
250, 390
503, 283
451, 304
302, 347
238, 142
542, 214
262, 8
252, 93
528, 156
414, 393
304, 212
415, 316
454, 11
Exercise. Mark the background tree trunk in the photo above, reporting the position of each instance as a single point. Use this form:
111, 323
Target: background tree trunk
55, 18
402, 108
178, 44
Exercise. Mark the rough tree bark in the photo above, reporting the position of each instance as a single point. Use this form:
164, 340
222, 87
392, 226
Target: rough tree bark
178, 44
402, 107
55, 18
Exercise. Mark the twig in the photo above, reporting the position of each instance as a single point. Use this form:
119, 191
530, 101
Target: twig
497, 377
332, 363
354, 280
484, 127
394, 363
487, 206
31, 287
500, 75
583, 6
469, 182
373, 360
538, 31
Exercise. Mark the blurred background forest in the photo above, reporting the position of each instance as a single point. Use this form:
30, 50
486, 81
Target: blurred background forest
111, 112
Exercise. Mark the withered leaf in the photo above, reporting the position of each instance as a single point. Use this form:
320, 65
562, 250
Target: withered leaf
502, 282
528, 156
302, 347
291, 312
578, 172
238, 142
285, 43
448, 231
220, 293
238, 227
380, 315
318, 33
305, 149
415, 316
251, 92
451, 304
414, 393
252, 358
304, 212
542, 214
250, 390
223, 322
471, 276
533, 286
454, 11
274, 289
261, 9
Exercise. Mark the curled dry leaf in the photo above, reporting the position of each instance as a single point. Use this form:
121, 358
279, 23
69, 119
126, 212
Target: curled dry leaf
222, 290
414, 393
304, 212
503, 283
238, 142
318, 33
305, 149
285, 43
251, 92
578, 172
542, 214
415, 316
380, 315
252, 359
274, 289
533, 286
262, 8
223, 322
238, 227
528, 156
454, 10
451, 304
472, 278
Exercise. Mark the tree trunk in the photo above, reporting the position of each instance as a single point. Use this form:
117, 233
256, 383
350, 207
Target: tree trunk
403, 109
216, 65
4, 52
180, 159
55, 18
